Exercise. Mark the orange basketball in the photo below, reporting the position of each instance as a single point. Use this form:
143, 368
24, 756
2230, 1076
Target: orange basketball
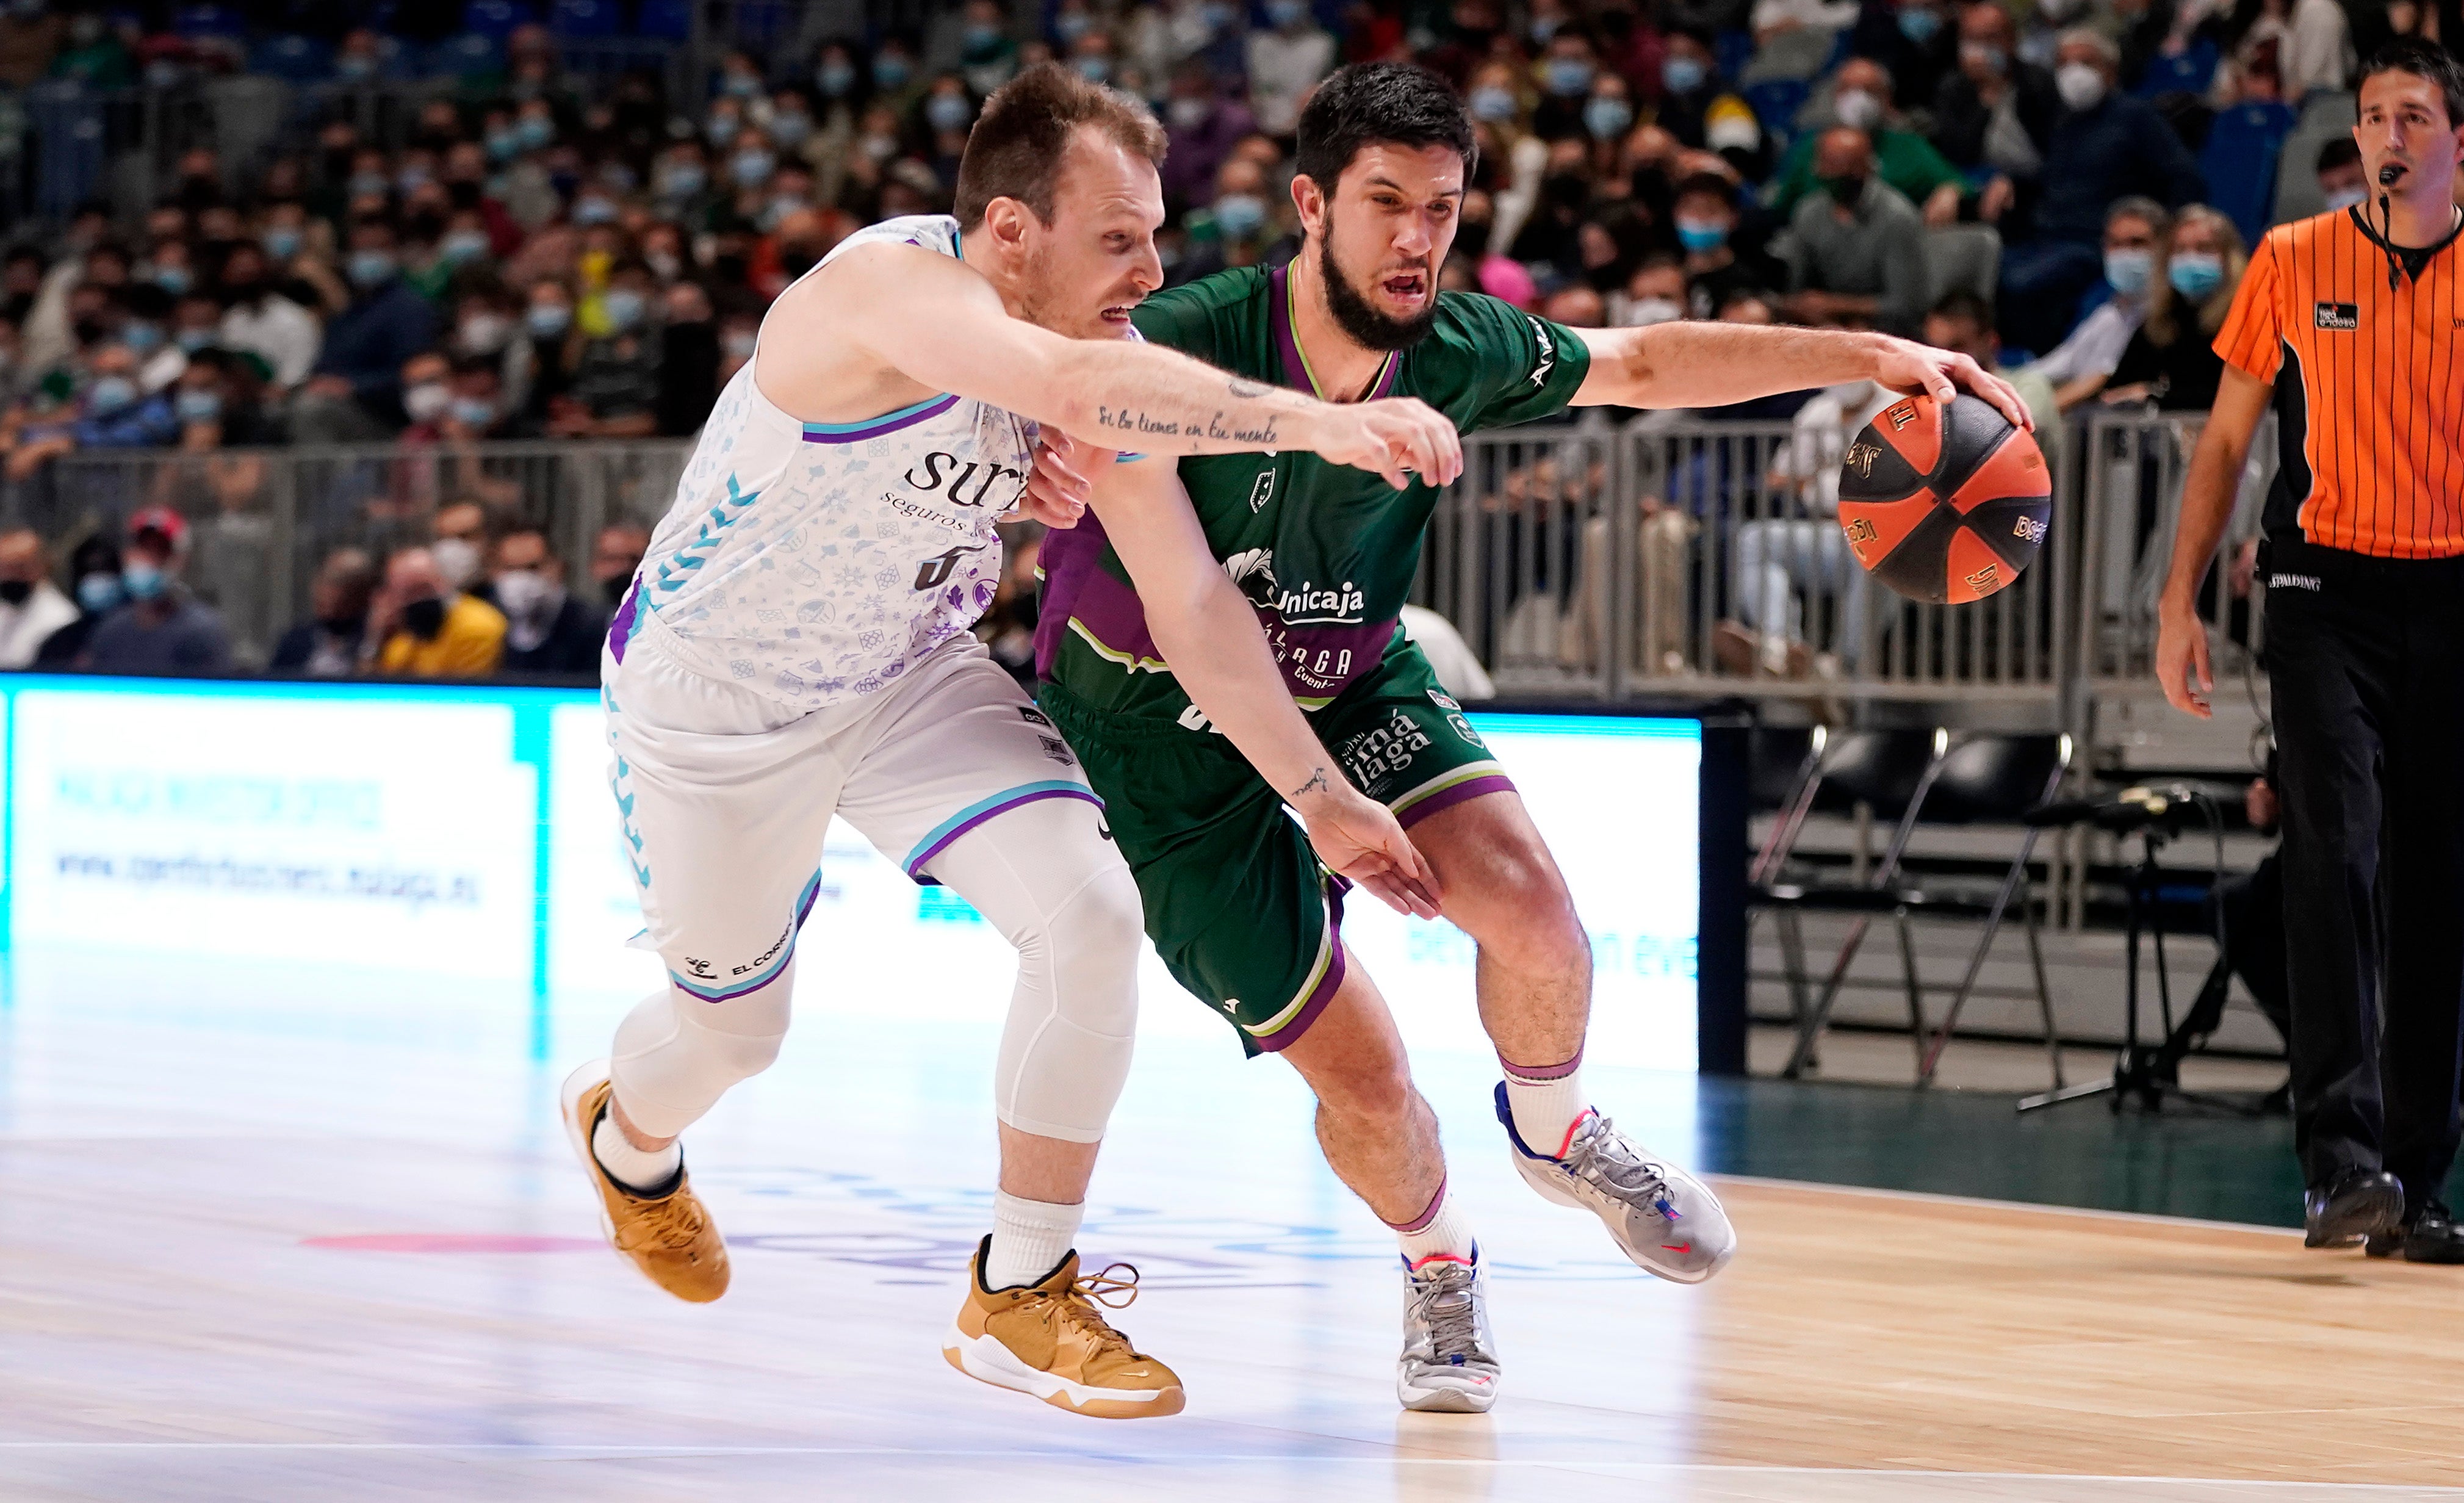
1945, 505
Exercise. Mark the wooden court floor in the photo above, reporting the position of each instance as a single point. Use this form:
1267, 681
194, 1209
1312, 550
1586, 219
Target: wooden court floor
258, 1252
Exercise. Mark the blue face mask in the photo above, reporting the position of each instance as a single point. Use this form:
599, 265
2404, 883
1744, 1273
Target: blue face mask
1095, 70
1919, 26
789, 127
111, 394
1239, 215
1699, 235
142, 580
683, 180
1681, 74
370, 268
471, 412
948, 112
835, 78
890, 73
98, 594
1569, 76
192, 340
1287, 13
2195, 274
751, 168
464, 246
743, 85
548, 320
199, 407
281, 244
533, 131
173, 279
2128, 272
1492, 102
1607, 119
143, 338
981, 40
503, 145
623, 306
594, 212
369, 184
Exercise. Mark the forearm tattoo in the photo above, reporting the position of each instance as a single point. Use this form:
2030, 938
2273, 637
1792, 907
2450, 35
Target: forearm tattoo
1316, 783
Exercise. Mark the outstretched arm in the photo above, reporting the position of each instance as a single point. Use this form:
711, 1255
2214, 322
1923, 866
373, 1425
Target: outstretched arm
941, 324
1696, 364
1210, 636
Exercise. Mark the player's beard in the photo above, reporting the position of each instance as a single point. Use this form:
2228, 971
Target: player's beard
1358, 317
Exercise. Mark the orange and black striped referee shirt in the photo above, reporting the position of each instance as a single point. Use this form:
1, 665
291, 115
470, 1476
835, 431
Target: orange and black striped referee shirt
2368, 397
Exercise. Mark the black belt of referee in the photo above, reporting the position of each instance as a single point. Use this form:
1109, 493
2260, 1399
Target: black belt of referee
2294, 563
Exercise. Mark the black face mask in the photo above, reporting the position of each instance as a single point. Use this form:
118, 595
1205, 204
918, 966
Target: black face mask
16, 590
1471, 239
424, 619
339, 625
463, 195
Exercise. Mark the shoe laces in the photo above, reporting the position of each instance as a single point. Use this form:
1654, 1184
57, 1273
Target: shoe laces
1601, 1156
672, 1225
1113, 1286
1444, 1303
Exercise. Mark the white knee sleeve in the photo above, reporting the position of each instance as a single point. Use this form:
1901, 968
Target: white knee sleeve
1059, 892
676, 1054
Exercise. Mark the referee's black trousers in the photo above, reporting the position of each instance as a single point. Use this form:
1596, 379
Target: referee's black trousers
2366, 658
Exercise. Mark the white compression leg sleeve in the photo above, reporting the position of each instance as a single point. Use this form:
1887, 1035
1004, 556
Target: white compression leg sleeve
1054, 887
676, 1054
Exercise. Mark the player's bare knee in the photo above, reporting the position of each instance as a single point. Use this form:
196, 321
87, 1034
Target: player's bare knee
1528, 920
1377, 1087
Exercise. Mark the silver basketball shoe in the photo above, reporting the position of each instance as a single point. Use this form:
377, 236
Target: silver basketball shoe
1668, 1221
1449, 1364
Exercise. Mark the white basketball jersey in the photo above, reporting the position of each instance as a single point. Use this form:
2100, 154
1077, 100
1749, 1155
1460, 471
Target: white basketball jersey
816, 563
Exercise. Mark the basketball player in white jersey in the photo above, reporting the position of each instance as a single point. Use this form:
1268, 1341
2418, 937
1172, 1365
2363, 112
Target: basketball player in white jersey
796, 647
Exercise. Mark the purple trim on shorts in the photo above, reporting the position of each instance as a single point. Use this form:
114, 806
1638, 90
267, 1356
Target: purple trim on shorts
804, 911
1428, 1212
1332, 981
1539, 1073
916, 867
1460, 793
620, 629
858, 432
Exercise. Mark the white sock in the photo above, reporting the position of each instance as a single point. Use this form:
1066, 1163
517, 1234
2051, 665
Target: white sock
1546, 1104
1441, 1231
1029, 1239
633, 1168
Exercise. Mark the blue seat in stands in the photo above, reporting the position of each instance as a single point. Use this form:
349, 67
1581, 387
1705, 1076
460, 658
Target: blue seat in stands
666, 21
2239, 163
1775, 102
496, 18
579, 18
460, 56
196, 22
1732, 51
2191, 72
293, 59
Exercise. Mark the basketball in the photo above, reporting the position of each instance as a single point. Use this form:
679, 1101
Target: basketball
1945, 505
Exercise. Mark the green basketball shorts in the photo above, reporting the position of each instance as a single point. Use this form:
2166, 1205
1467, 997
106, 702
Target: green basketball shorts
1236, 902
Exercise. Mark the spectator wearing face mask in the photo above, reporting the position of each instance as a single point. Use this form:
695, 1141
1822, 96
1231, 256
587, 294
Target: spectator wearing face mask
1286, 60
2343, 181
688, 360
1475, 245
1993, 117
462, 543
1903, 158
1859, 257
2172, 360
615, 387
421, 627
556, 348
1204, 124
261, 321
2104, 145
163, 628
2136, 232
32, 607
1915, 42
356, 391
328, 645
548, 629
1716, 269
94, 579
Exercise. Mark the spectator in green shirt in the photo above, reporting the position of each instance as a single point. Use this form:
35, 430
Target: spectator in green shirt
1860, 99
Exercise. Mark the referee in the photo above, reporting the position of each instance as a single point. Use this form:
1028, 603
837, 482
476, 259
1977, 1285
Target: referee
2350, 324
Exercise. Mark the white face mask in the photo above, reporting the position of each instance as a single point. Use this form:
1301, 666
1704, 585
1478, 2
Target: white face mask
2082, 87
523, 594
427, 401
1856, 109
2344, 198
457, 559
1644, 312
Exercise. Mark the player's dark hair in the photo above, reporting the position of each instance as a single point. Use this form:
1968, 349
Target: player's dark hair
1378, 103
2423, 60
1018, 144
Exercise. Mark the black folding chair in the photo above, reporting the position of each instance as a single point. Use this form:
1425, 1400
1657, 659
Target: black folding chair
1890, 772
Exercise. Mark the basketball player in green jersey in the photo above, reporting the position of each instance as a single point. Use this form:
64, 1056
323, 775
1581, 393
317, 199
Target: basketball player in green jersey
1235, 903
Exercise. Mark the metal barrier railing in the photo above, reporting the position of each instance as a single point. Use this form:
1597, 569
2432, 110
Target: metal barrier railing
1673, 556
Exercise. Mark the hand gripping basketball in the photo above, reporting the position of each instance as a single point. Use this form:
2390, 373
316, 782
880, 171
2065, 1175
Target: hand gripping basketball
1944, 505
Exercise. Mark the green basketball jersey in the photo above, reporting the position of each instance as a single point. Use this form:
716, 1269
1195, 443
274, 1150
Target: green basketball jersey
1326, 553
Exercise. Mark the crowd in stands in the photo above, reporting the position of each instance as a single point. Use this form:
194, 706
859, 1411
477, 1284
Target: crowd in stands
539, 254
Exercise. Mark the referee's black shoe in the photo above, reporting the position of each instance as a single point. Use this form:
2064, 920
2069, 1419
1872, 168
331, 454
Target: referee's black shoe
2354, 1205
2428, 1235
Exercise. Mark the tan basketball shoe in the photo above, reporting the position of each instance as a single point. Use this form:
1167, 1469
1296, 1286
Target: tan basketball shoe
670, 1239
1051, 1340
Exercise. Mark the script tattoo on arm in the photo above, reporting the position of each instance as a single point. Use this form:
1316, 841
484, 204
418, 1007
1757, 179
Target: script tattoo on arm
1132, 422
1316, 783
